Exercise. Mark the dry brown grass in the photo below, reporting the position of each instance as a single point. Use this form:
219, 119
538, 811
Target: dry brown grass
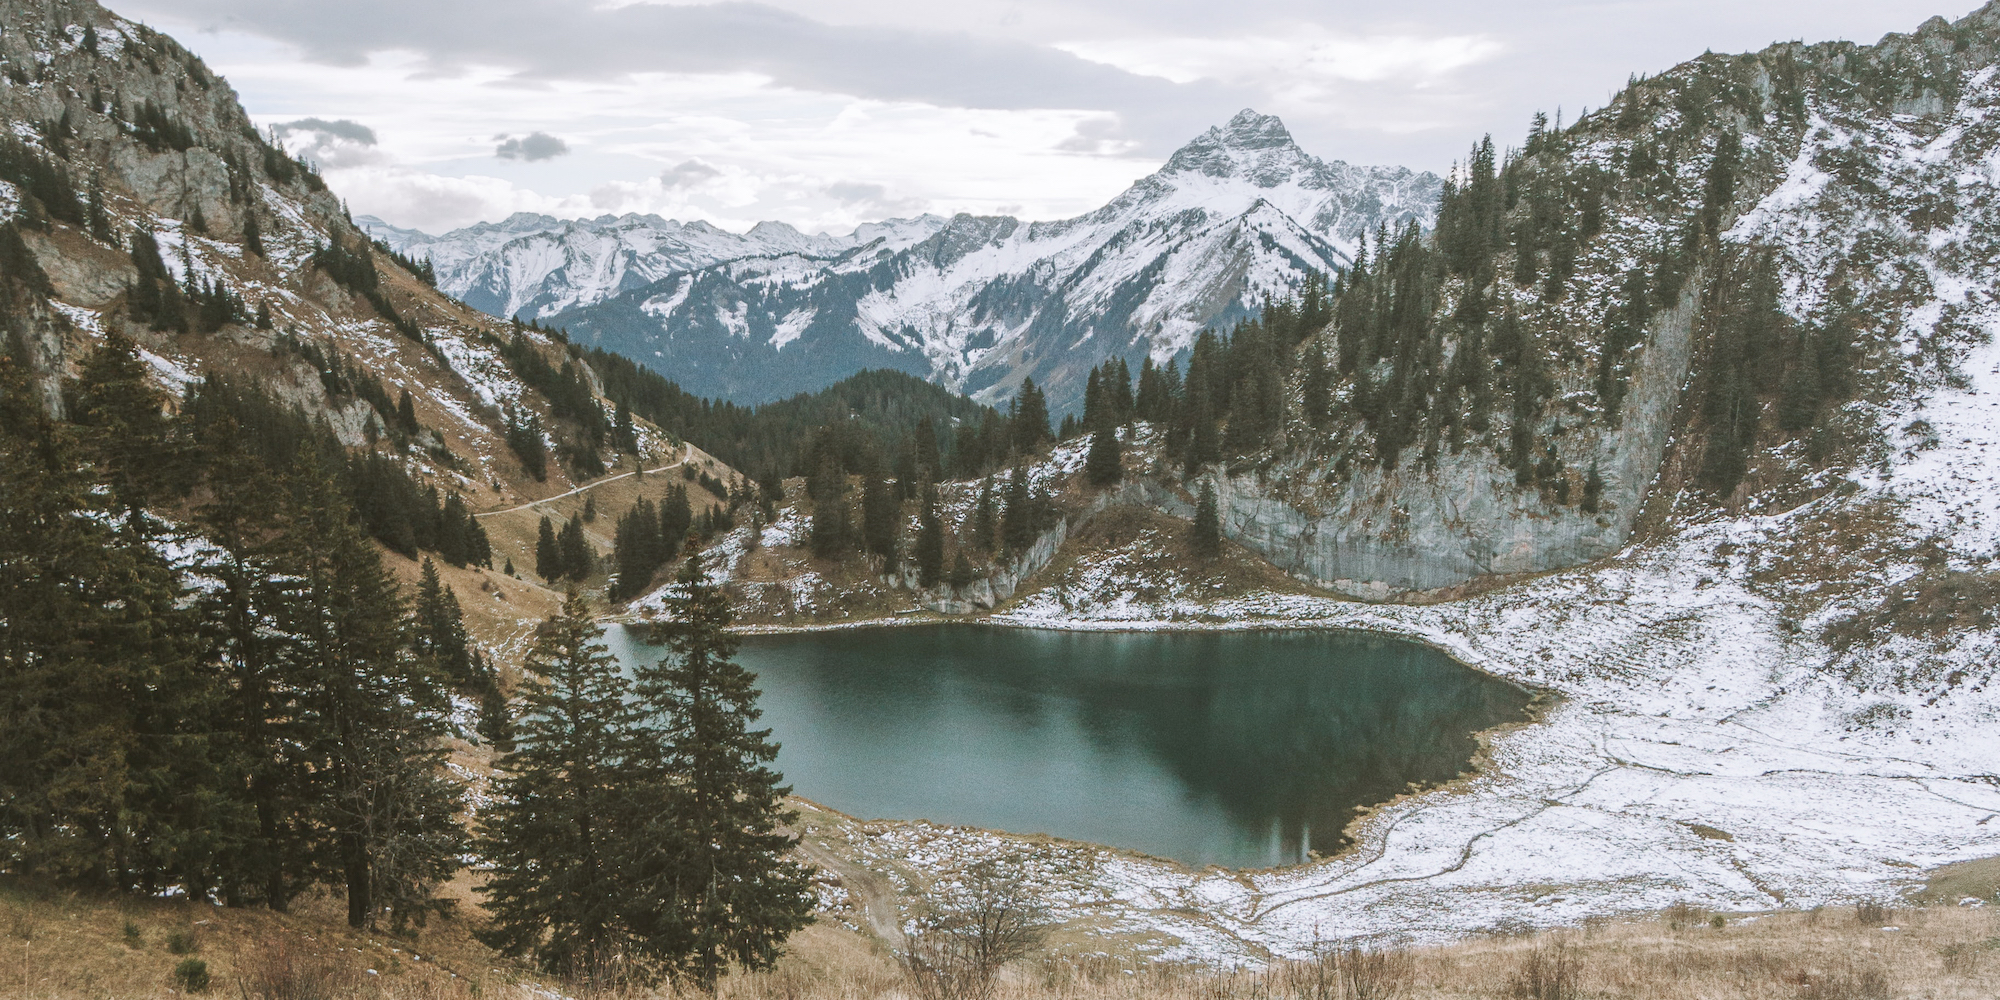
56, 946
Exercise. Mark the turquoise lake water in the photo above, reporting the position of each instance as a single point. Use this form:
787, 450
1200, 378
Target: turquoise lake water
1242, 749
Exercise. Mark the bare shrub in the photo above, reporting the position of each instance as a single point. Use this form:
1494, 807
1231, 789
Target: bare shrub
276, 968
1868, 984
1681, 916
1549, 972
1961, 959
1350, 973
969, 929
1871, 913
1374, 975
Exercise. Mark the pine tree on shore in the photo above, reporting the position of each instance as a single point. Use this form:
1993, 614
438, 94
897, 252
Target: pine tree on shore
558, 831
930, 537
725, 889
1205, 534
985, 518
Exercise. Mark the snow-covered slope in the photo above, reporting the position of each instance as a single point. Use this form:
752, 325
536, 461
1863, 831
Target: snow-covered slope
537, 265
977, 303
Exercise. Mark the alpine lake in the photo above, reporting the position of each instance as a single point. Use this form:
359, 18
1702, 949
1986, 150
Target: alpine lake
1245, 749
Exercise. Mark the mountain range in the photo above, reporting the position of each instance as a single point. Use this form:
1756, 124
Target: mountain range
977, 303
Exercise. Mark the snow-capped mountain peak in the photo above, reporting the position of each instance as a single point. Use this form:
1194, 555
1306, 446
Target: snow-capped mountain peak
1255, 147
1238, 215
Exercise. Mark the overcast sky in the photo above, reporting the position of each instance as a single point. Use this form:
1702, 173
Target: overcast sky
827, 113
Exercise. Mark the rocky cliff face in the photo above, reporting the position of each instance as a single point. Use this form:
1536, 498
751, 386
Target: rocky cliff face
1830, 287
1388, 532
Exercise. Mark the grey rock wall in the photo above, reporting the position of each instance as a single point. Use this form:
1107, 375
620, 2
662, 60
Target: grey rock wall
1389, 532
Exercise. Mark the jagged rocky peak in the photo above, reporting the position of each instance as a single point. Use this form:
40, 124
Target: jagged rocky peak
1251, 145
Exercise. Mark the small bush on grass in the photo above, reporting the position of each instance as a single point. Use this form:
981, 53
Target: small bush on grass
192, 975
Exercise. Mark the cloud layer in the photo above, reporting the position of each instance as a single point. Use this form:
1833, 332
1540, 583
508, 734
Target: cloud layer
533, 147
826, 113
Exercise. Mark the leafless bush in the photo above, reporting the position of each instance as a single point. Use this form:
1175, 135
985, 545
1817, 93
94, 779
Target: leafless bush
278, 969
1550, 972
970, 928
1368, 974
1681, 916
1868, 984
1871, 913
1961, 959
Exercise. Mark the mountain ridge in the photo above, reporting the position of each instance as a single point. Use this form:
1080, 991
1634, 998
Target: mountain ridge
976, 303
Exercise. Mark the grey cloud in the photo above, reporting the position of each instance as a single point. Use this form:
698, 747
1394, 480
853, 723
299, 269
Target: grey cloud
582, 39
533, 148
873, 197
688, 174
1556, 54
1091, 136
850, 191
331, 144
339, 128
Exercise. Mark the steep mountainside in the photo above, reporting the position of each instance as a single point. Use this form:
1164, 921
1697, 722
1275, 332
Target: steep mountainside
137, 199
1747, 283
1237, 216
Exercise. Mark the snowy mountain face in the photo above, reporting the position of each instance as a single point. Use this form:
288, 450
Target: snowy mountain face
1237, 216
536, 265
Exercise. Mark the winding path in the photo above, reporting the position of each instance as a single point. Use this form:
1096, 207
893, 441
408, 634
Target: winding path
686, 451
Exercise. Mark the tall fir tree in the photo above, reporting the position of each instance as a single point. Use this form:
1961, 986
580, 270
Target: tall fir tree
1030, 420
1205, 533
727, 890
985, 518
439, 630
1104, 464
881, 521
560, 831
375, 714
1018, 520
930, 537
548, 555
578, 561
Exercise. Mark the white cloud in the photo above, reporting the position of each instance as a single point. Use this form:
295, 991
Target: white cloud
1304, 50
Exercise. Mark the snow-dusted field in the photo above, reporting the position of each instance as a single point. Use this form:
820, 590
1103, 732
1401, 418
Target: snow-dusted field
1706, 745
1696, 755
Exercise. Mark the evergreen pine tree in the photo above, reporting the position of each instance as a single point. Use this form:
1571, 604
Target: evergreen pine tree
548, 555
95, 662
1018, 518
985, 518
881, 520
675, 520
374, 717
636, 550
1205, 534
725, 889
832, 530
439, 632
116, 400
578, 561
1103, 465
1593, 490
1030, 420
961, 571
406, 415
930, 537
560, 828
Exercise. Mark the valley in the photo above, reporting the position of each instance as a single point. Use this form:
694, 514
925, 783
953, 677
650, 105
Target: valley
1657, 452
